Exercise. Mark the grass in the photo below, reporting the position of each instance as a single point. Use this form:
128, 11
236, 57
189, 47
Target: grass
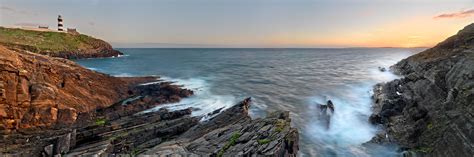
423, 149
134, 152
231, 142
100, 122
280, 125
264, 141
37, 41
430, 126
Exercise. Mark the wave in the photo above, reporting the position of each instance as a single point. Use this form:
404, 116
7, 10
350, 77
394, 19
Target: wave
203, 101
93, 69
349, 127
124, 75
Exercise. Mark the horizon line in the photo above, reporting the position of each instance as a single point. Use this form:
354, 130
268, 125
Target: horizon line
217, 46
265, 47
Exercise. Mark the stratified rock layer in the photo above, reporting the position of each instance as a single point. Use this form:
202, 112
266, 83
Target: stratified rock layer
230, 133
430, 110
44, 100
234, 133
36, 90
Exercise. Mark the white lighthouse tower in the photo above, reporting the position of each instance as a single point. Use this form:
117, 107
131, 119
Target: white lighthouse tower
60, 24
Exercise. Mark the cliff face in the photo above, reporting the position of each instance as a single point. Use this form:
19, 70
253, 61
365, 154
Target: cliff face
43, 100
37, 90
56, 44
430, 110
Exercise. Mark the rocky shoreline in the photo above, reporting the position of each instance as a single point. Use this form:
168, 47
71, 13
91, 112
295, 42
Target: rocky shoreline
51, 106
428, 112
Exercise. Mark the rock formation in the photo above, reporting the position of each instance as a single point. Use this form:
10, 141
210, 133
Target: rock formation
325, 113
43, 99
234, 133
430, 110
36, 90
51, 106
230, 133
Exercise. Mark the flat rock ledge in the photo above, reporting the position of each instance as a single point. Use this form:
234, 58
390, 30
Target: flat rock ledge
231, 132
234, 133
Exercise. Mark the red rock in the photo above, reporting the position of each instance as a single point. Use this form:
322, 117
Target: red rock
67, 116
37, 90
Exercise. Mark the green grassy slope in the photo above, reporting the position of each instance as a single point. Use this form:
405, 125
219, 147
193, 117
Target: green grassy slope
44, 41
56, 44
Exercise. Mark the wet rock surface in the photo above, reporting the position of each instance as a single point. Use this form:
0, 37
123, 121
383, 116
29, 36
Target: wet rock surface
325, 112
234, 133
429, 111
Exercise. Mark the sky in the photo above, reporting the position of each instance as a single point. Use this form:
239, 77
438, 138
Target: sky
250, 23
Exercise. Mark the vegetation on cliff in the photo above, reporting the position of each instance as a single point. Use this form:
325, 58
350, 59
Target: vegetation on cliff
57, 44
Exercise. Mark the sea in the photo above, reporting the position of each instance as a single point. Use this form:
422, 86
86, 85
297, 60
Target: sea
294, 80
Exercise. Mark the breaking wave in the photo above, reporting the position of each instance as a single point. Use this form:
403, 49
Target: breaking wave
203, 101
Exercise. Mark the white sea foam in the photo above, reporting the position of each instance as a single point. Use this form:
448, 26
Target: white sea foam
125, 55
203, 101
94, 69
123, 75
348, 124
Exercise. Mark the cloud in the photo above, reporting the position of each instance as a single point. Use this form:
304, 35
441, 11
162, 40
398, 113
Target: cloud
460, 14
13, 11
28, 24
91, 23
7, 8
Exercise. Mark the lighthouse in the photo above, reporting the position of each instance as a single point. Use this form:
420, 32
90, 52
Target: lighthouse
60, 23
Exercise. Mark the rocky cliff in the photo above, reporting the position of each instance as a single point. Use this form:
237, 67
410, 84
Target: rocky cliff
56, 44
42, 97
430, 110
36, 90
51, 106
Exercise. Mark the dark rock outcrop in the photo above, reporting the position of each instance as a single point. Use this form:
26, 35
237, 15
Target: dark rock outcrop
164, 132
234, 133
429, 111
325, 113
132, 134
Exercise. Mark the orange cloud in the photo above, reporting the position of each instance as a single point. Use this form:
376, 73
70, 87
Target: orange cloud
460, 14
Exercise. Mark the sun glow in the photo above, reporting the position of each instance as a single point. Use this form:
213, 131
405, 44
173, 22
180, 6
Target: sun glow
415, 32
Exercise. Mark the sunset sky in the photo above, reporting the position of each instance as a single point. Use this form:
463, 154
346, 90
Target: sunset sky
250, 23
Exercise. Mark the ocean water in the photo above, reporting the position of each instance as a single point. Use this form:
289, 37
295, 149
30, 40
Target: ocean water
277, 79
